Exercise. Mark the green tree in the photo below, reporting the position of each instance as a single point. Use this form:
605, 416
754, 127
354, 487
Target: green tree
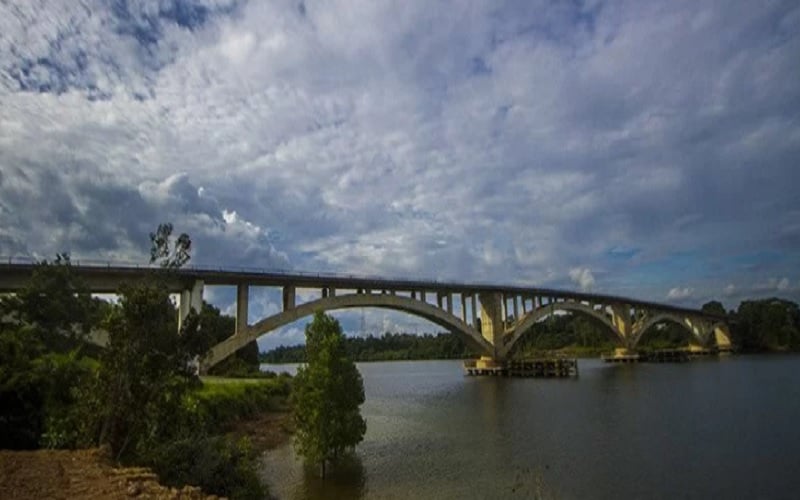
169, 254
714, 307
50, 315
145, 369
326, 396
147, 366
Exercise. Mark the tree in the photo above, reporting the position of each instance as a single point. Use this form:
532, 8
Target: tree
56, 303
714, 307
147, 366
169, 254
50, 315
326, 396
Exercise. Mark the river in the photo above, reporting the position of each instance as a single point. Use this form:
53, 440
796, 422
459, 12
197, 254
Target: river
717, 428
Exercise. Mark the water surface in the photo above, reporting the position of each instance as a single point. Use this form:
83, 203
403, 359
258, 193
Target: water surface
726, 428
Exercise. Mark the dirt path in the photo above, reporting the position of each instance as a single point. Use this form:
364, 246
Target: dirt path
85, 474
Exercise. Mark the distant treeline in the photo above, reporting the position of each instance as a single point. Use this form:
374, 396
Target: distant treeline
756, 326
389, 346
765, 325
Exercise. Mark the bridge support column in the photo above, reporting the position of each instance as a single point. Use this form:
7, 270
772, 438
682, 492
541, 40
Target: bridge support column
722, 337
621, 320
191, 300
492, 326
288, 297
701, 331
474, 300
242, 305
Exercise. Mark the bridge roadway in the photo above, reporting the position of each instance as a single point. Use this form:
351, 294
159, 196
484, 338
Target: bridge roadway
489, 317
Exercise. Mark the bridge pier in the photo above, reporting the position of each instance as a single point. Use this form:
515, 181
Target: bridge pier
288, 297
492, 321
242, 306
190, 300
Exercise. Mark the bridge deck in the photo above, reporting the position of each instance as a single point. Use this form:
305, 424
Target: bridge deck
107, 278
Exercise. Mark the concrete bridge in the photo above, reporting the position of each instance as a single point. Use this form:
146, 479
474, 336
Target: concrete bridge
490, 318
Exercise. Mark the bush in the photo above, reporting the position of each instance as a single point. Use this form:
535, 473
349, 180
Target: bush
218, 465
221, 401
67, 405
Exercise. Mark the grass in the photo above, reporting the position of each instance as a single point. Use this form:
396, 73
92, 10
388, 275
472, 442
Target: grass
212, 381
222, 400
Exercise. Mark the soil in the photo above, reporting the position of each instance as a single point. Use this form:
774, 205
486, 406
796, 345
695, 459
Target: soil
90, 474
265, 431
86, 474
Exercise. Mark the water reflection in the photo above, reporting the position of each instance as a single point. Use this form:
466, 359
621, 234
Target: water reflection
344, 480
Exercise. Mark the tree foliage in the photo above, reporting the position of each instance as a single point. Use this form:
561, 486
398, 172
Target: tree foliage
326, 395
145, 369
41, 333
389, 346
135, 397
768, 324
167, 253
714, 307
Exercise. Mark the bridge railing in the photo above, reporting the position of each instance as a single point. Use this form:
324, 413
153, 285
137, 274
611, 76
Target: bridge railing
412, 283
98, 263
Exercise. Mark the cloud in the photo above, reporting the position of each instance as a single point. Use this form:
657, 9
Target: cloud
772, 284
729, 290
680, 293
655, 144
582, 277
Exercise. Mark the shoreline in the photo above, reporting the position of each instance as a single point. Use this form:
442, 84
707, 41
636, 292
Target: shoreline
87, 473
265, 431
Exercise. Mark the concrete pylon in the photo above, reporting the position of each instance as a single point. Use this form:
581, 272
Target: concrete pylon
242, 306
722, 337
288, 297
492, 327
190, 300
622, 323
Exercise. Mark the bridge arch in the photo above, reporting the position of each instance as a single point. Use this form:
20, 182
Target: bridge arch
385, 301
722, 336
669, 318
528, 321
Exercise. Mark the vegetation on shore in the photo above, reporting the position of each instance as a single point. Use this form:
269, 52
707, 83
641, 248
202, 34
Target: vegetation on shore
326, 396
140, 396
388, 347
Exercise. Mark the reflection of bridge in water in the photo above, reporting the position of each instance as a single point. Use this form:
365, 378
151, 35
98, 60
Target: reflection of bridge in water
490, 318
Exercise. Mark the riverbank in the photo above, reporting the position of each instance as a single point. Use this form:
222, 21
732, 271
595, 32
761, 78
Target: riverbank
88, 474
224, 411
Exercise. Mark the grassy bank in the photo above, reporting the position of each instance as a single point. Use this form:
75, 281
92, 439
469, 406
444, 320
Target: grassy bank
222, 402
231, 420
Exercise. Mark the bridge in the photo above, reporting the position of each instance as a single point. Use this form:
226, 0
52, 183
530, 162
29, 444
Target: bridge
490, 318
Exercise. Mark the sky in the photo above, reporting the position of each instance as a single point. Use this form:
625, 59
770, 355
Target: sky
646, 149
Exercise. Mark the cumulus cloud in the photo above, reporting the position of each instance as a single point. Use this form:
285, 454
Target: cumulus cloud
526, 143
582, 277
680, 293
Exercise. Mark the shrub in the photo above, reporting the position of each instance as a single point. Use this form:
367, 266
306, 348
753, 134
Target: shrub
218, 465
